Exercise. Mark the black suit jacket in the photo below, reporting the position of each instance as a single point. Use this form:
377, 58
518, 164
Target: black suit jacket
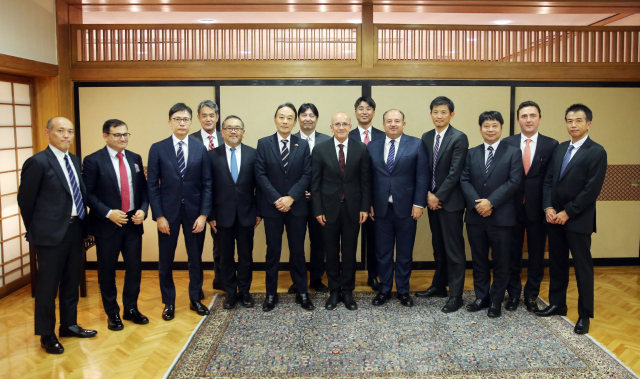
231, 198
498, 185
45, 199
328, 184
103, 191
531, 186
449, 164
578, 189
274, 183
375, 134
197, 135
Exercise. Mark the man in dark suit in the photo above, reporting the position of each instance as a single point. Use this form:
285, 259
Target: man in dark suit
283, 173
400, 184
234, 215
491, 176
119, 202
572, 186
537, 151
179, 181
446, 149
341, 196
308, 119
208, 115
52, 203
365, 109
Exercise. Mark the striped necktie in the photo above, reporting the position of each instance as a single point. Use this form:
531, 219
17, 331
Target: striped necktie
489, 159
435, 158
565, 161
285, 156
211, 146
181, 162
391, 157
77, 195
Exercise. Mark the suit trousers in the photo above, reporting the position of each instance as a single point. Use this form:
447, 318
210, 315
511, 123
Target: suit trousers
483, 237
59, 269
399, 233
167, 243
296, 230
370, 248
128, 240
316, 256
561, 242
448, 249
341, 236
536, 240
228, 238
216, 257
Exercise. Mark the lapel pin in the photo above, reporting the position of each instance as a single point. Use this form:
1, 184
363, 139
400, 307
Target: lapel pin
295, 144
137, 167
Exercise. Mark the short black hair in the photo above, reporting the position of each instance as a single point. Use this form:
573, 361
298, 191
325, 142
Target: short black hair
528, 103
287, 105
490, 116
232, 117
209, 103
367, 100
384, 115
113, 123
442, 100
303, 108
179, 108
579, 107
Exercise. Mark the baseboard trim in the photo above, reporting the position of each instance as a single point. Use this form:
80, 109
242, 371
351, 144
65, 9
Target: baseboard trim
15, 285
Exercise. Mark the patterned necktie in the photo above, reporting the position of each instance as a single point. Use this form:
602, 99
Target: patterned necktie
124, 185
391, 157
285, 155
77, 196
366, 137
234, 165
181, 162
435, 159
211, 146
489, 159
526, 157
342, 162
565, 161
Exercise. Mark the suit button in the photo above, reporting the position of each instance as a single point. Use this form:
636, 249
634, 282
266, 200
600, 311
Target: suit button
485, 184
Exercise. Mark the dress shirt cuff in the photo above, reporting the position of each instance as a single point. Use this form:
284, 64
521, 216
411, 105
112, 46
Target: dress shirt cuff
109, 213
418, 206
548, 208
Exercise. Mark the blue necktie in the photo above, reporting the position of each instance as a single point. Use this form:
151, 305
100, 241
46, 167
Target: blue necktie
390, 158
181, 163
234, 165
77, 196
489, 159
435, 158
565, 161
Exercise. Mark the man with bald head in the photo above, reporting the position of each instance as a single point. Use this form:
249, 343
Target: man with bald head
340, 195
52, 201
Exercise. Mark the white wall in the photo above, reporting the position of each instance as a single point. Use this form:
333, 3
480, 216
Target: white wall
28, 29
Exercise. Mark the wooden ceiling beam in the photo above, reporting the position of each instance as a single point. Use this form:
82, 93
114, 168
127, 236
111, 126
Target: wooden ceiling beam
611, 19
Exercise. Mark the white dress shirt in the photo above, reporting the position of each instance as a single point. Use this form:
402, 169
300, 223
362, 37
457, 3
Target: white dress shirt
361, 131
345, 145
185, 148
311, 139
486, 150
441, 137
60, 156
576, 146
280, 139
532, 145
116, 166
205, 138
238, 153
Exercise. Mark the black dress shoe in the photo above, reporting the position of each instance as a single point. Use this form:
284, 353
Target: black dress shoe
381, 298
76, 331
495, 310
201, 294
114, 322
169, 312
304, 300
512, 304
217, 285
246, 300
270, 302
51, 344
453, 304
478, 305
292, 289
582, 326
374, 283
319, 286
332, 301
552, 310
230, 301
135, 316
531, 304
405, 299
199, 308
349, 302
432, 292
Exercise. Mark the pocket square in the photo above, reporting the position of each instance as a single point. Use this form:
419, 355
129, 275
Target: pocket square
137, 167
295, 144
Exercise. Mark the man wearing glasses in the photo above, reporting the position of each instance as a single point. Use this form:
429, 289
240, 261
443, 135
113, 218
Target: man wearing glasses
183, 199
118, 201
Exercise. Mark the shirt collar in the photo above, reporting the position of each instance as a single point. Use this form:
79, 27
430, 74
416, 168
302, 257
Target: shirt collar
205, 135
533, 138
229, 147
495, 145
114, 153
579, 143
176, 140
443, 132
345, 143
280, 139
306, 137
59, 154
361, 130
388, 140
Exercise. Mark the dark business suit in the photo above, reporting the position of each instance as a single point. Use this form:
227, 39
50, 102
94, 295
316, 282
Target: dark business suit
276, 182
341, 198
447, 223
316, 256
530, 217
46, 203
407, 184
368, 238
103, 191
575, 192
234, 211
499, 184
181, 200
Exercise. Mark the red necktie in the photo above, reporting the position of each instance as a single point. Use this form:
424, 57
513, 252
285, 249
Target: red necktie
366, 137
526, 157
210, 143
124, 185
342, 162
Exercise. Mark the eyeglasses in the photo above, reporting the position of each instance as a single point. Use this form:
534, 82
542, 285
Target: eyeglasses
232, 130
344, 124
120, 135
177, 120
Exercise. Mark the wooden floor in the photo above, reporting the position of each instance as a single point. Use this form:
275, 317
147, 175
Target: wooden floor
147, 351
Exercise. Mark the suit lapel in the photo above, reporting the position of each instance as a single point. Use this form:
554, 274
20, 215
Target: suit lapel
171, 153
224, 161
502, 147
481, 162
55, 164
293, 148
333, 155
577, 156
192, 152
401, 148
132, 169
276, 150
443, 144
110, 169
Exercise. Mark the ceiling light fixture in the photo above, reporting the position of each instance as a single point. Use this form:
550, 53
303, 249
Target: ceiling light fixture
502, 22
207, 21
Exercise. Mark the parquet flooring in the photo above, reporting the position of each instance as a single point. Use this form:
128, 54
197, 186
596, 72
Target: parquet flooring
147, 351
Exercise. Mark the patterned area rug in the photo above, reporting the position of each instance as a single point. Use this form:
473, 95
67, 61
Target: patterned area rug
391, 341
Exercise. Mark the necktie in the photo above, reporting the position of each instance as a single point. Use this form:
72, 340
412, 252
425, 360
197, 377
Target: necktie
285, 156
77, 196
489, 159
211, 146
435, 158
526, 157
234, 165
181, 162
366, 137
125, 200
342, 162
565, 161
391, 157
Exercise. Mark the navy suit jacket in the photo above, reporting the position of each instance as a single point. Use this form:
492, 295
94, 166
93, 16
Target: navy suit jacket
498, 185
103, 191
407, 182
375, 134
167, 188
274, 183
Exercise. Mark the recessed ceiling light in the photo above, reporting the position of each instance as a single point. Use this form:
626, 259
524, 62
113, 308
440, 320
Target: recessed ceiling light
207, 21
355, 21
502, 22
245, 52
470, 39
